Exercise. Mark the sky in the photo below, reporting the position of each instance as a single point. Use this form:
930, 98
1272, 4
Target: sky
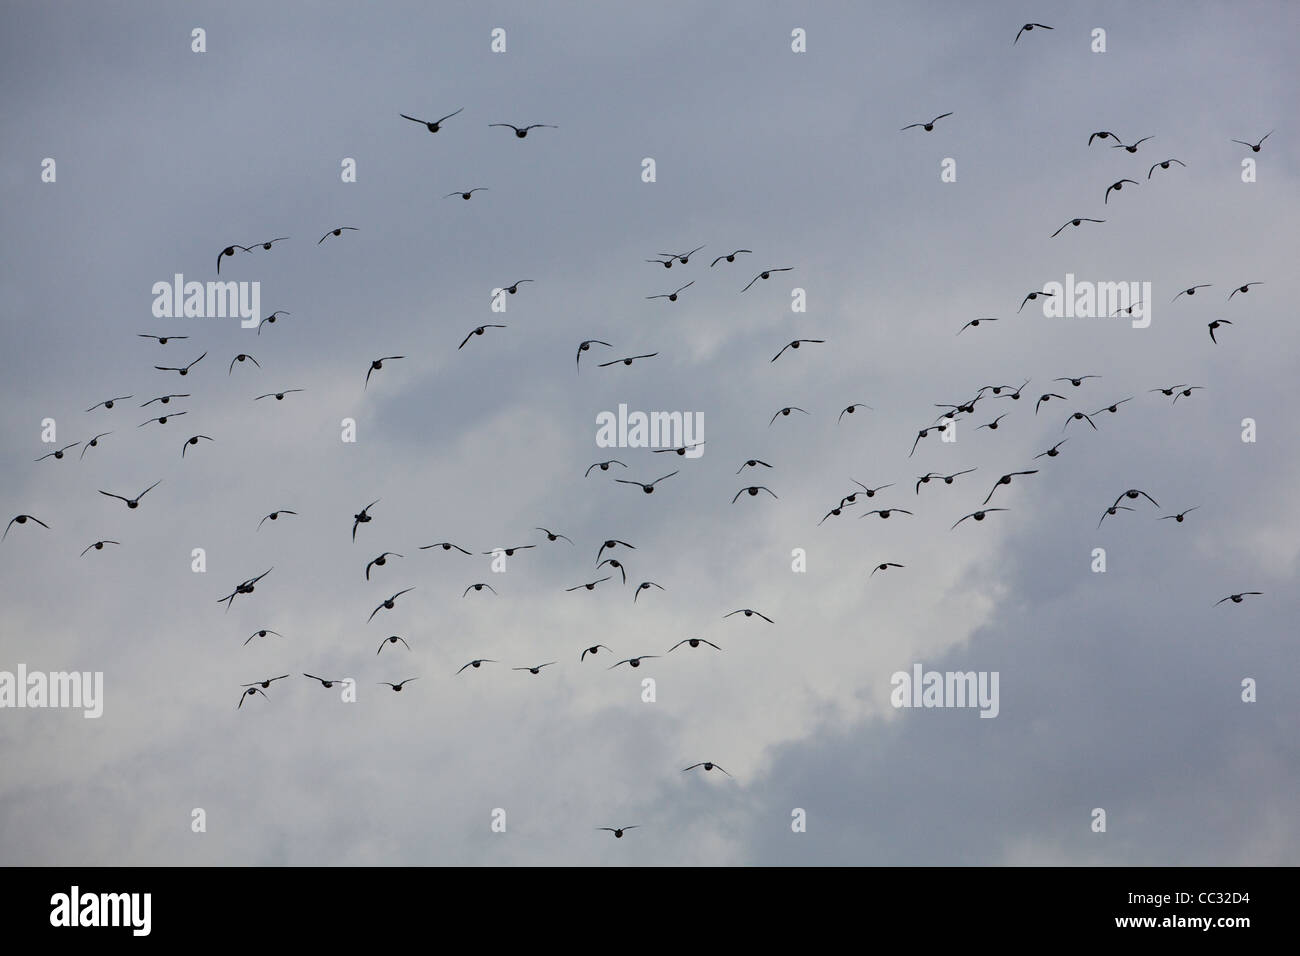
1119, 690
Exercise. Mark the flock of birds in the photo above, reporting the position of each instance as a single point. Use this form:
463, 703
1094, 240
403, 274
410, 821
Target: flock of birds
991, 403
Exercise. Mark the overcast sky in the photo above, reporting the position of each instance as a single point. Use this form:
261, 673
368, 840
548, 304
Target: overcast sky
1118, 690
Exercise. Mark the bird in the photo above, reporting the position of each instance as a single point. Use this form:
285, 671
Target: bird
510, 551
869, 492
847, 410
279, 396
648, 487
884, 566
265, 683
1134, 147
398, 687
731, 257
975, 323
666, 263
270, 242
679, 449
1167, 391
1164, 164
467, 193
632, 661
1187, 392
1052, 452
230, 251
363, 517
1117, 186
766, 274
1031, 297
1006, 479
643, 586
535, 670
1236, 598
1028, 27
1179, 517
618, 831
22, 519
1133, 493
380, 561
521, 132
594, 649
1046, 397
479, 587
694, 642
611, 543
554, 535
161, 419
244, 587
947, 479
392, 640
337, 232
753, 490
134, 503
99, 545
1191, 290
1078, 416
786, 411
262, 633
1243, 288
885, 512
477, 331
165, 399
616, 564
991, 426
1128, 309
707, 765
378, 364
671, 296
435, 125
754, 463
682, 257
604, 466
445, 545
326, 683
161, 339
58, 454
512, 289
795, 344
479, 662
93, 443
108, 402
1103, 134
388, 604
1014, 395
1075, 222
274, 516
247, 693
928, 127
1214, 325
184, 370
749, 612
1113, 509
627, 361
977, 515
270, 319
1113, 407
585, 345
1254, 147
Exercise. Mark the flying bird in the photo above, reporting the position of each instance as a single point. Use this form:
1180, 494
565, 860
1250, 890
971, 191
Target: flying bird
786, 411
363, 517
753, 490
108, 402
1133, 493
928, 127
1191, 290
766, 274
1134, 147
753, 463
161, 419
1031, 297
1046, 397
336, 232
1187, 392
618, 831
435, 125
627, 361
265, 683
554, 535
642, 587
378, 364
387, 604
521, 132
380, 561
885, 512
883, 566
1214, 325
1103, 134
794, 345
1179, 517
991, 426
679, 449
975, 323
445, 545
604, 466
1052, 452
479, 587
1164, 164
251, 691
467, 193
184, 370
392, 640
133, 503
99, 545
614, 563
583, 346
23, 519
707, 765
274, 516
270, 319
535, 670
270, 242
1243, 288
262, 633
682, 257
230, 251
161, 339
694, 642
94, 443
1236, 598
327, 683
479, 662
1254, 147
279, 396
848, 410
649, 487
977, 515
58, 454
1027, 28
632, 661
749, 612
1078, 416
611, 543
1075, 222
477, 331
730, 258
591, 586
512, 289
1006, 479
672, 296
594, 649
398, 687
